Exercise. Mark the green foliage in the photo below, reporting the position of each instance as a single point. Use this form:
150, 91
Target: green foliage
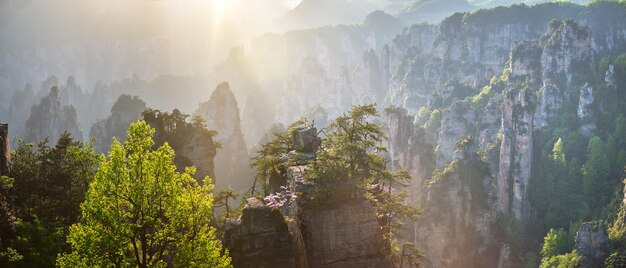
557, 153
350, 161
616, 259
222, 201
530, 260
556, 242
47, 186
139, 211
348, 165
569, 260
472, 170
36, 243
50, 182
173, 128
267, 162
602, 171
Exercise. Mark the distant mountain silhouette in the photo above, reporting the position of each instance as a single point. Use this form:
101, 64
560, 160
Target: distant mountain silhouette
433, 11
317, 13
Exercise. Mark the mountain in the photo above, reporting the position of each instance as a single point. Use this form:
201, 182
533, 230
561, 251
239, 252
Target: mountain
433, 11
316, 13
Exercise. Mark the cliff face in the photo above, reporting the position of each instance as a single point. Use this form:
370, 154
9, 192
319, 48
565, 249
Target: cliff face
515, 154
50, 119
485, 144
259, 238
472, 47
192, 141
566, 52
345, 235
333, 67
592, 243
221, 113
458, 120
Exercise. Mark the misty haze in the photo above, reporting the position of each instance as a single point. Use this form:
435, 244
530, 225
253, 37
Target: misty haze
313, 133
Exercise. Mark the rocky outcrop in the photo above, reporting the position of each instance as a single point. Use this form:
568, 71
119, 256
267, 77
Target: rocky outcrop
200, 151
255, 119
516, 154
399, 128
485, 143
526, 60
550, 100
458, 121
125, 111
50, 119
5, 150
490, 118
456, 228
567, 51
609, 77
585, 109
471, 47
221, 113
409, 150
192, 141
344, 234
259, 238
592, 244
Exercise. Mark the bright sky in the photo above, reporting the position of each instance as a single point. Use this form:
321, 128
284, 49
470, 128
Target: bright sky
224, 22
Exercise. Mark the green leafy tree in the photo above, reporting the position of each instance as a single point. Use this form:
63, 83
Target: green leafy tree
554, 252
141, 212
555, 242
596, 173
569, 260
557, 152
47, 186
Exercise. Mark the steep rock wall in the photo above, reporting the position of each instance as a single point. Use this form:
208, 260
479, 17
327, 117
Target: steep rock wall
221, 113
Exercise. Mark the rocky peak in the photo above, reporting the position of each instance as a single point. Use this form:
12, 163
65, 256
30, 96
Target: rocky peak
346, 234
585, 109
592, 243
567, 50
221, 113
609, 77
125, 110
516, 153
399, 127
50, 119
306, 140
